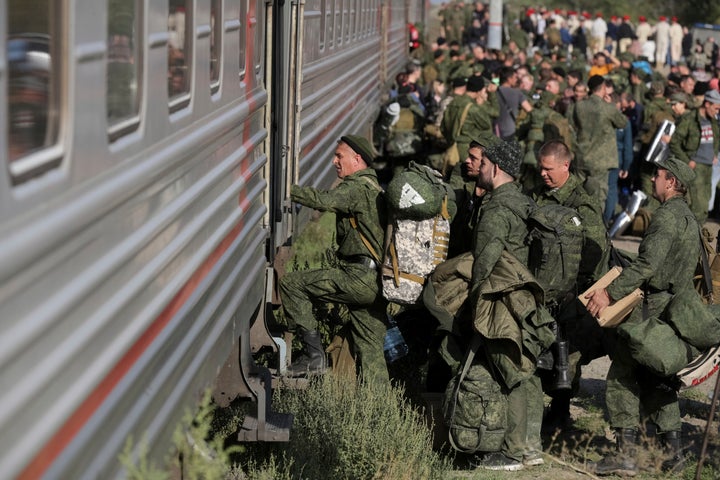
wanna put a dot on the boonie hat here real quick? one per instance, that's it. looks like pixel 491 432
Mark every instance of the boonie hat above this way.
pixel 361 146
pixel 677 167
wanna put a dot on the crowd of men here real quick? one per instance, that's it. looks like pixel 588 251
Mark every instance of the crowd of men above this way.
pixel 565 113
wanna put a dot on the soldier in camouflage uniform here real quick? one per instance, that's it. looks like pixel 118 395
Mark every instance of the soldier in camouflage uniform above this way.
pixel 665 265
pixel 586 338
pixel 355 282
pixel 696 141
pixel 501 226
pixel 595 121
pixel 483 103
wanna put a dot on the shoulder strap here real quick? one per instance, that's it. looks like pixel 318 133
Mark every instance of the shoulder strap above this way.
pixel 707 286
pixel 469 357
pixel 354 223
pixel 507 105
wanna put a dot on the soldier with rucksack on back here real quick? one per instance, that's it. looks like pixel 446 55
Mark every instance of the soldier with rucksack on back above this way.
pixel 579 336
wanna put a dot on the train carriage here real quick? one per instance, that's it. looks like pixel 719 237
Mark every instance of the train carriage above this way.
pixel 148 149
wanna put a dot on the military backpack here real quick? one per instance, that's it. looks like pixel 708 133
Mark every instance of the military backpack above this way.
pixel 420 209
pixel 475 407
pixel 555 238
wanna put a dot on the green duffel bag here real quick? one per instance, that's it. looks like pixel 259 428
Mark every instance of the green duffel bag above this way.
pixel 655 344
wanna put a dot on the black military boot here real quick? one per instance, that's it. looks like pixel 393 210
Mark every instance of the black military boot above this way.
pixel 312 359
pixel 623 462
pixel 671 444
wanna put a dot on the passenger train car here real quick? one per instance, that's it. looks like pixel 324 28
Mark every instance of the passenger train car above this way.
pixel 148 150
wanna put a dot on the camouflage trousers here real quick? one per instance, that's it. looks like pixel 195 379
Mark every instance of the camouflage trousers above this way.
pixel 353 285
pixel 525 412
pixel 700 192
pixel 630 385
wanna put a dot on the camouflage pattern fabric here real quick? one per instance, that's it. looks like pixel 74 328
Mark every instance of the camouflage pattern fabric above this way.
pixel 683 144
pixel 475 411
pixel 595 122
pixel 596 246
pixel 417 247
pixel 665 264
pixel 357 196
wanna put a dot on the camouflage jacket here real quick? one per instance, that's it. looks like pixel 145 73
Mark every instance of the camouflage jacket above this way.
pixel 596 251
pixel 501 225
pixel 479 119
pixel 595 121
pixel 654 105
pixel 686 139
pixel 668 253
pixel 359 196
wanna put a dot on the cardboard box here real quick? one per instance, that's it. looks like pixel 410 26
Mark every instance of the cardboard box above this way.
pixel 617 311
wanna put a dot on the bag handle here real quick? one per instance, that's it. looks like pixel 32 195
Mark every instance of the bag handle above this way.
pixel 469 357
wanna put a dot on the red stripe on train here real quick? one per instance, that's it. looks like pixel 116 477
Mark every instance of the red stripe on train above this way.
pixel 74 424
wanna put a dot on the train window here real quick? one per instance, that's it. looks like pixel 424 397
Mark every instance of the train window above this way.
pixel 33 46
pixel 123 68
pixel 243 37
pixel 215 46
pixel 179 53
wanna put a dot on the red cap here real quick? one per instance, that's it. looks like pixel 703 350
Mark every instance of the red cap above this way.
pixel 571 12
pixel 663 18
pixel 530 11
pixel 598 14
pixel 613 18
pixel 557 10
pixel 626 17
pixel 586 14
pixel 674 19
pixel 642 18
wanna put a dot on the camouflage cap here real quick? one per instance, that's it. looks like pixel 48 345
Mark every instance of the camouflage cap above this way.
pixel 677 167
pixel 678 97
pixel 361 146
pixel 506 155
pixel 640 73
pixel 484 139
pixel 626 57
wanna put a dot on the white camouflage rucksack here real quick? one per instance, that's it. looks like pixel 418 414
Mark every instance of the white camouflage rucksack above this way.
pixel 420 209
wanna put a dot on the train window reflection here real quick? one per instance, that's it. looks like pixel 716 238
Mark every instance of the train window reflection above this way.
pixel 215 36
pixel 179 28
pixel 123 68
pixel 32 82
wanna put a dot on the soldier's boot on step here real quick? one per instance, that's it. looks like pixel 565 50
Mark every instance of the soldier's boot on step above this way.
pixel 623 462
pixel 675 461
pixel 312 359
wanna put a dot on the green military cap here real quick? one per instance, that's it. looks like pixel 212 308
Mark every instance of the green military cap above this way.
pixel 484 139
pixel 640 73
pixel 678 97
pixel 677 167
pixel 361 146
pixel 626 57
pixel 506 155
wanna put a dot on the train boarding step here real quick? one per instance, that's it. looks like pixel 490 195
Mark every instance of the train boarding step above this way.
pixel 276 428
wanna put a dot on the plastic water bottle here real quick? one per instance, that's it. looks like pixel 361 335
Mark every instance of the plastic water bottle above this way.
pixel 395 346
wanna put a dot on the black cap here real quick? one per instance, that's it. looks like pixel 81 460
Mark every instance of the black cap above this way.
pixel 475 83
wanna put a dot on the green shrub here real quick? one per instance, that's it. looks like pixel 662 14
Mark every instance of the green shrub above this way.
pixel 345 430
